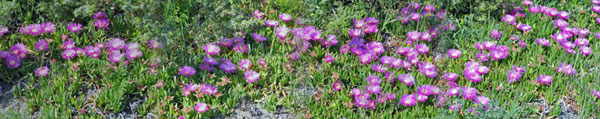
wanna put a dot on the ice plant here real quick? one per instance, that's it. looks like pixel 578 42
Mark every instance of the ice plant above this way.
pixel 115 57
pixel 408 100
pixel 41 45
pixel 450 76
pixel 42 71
pixel 240 48
pixel 337 86
pixel 12 61
pixel 187 71
pixel 99 15
pixel 132 54
pixel 245 64
pixel 201 107
pixel 2 31
pixel 544 79
pixel 74 27
pixel 227 66
pixel 282 32
pixel 68 54
pixel 211 49
pixel 116 44
pixel 259 38
pixel 210 61
pixel 48 27
pixel 92 51
pixel 328 58
pixel 542 42
pixel 101 23
pixel 566 69
pixel 154 44
pixel 454 53
pixel 421 48
pixel 469 93
pixel 271 23
pixel 407 79
pixel 285 17
pixel 208 89
pixel 258 14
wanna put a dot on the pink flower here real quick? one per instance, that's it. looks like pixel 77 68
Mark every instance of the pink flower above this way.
pixel 187 71
pixel 469 93
pixel 3 30
pixel 407 79
pixel 41 45
pixel 542 42
pixel 450 76
pixel 211 49
pixel 101 23
pixel 42 71
pixel 408 100
pixel 251 76
pixel 245 64
pixel 421 48
pixel 201 107
pixel 271 23
pixel 585 50
pixel 227 66
pixel 68 54
pixel 454 53
pixel 258 14
pixel 285 17
pixel 12 61
pixel 282 32
pixel 48 27
pixel 544 79
pixel 74 27
pixel 337 86
pixel 99 15
pixel 328 58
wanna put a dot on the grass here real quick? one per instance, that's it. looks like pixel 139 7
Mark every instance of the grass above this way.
pixel 302 87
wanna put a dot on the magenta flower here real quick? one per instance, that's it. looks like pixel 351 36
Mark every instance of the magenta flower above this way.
pixel 41 45
pixel 211 49
pixel 373 89
pixel 208 89
pixel 563 15
pixel 429 8
pixel 413 35
pixel 328 58
pixel 595 2
pixel 154 44
pixel 74 27
pixel 376 47
pixel 12 61
pixel 132 54
pixel 48 27
pixel 285 17
pixel 534 9
pixel 454 53
pixel 414 16
pixel 469 93
pixel 240 48
pixel 428 90
pixel 258 38
pixel 19 50
pixel 559 23
pixel 421 48
pixel 566 69
pixel 3 30
pixel 115 44
pixel 131 46
pixel 585 51
pixel 407 79
pixel 42 71
pixel 271 23
pixel 92 51
pixel 210 61
pixel 509 19
pixel 596 93
pixel 115 57
pixel 282 32
pixel 261 62
pixel 523 27
pixel 101 23
pixel 450 76
pixel 421 98
pixel 582 42
pixel 542 42
pixel 544 79
pixel 453 91
pixel 482 100
pixel 225 42
pixel 68 54
pixel 365 58
pixel 227 66
pixel 408 100
pixel 425 36
pixel 359 23
pixel 482 70
pixel 68 45
pixel 596 8
pixel 251 76
pixel 201 107
pixel 371 28
pixel 189 88
pixel 513 76
pixel 354 33
pixel 35 29
pixel 373 80
pixel 4 54
pixel 187 71
pixel 99 15
pixel 337 86
pixel 245 64
pixel 258 14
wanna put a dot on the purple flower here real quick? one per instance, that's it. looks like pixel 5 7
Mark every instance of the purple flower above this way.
pixel 42 71
pixel 482 100
pixel 259 38
pixel 371 28
pixel 469 93
pixel 453 91
pixel 596 93
pixel 595 2
pixel 115 44
pixel 261 62
pixel 544 79
pixel 35 29
pixel 414 16
pixel 513 76
pixel 407 79
pixel 211 49
pixel 74 27
pixel 421 98
pixel 258 14
pixel 48 27
pixel 371 21
pixel 596 8
pixel 240 48
pixel 559 23
pixel 450 76
pixel 358 23
pixel 251 76
pixel 208 89
pixel 131 46
pixel 336 86
pixel 210 61
pixel 408 100
pixel 92 51
pixel 429 8
pixel 581 42
pixel 328 58
pixel 285 17
pixel 413 35
pixel 12 61
pixel 201 107
pixel 584 50
pixel 421 48
pixel 132 54
pixel 482 70
pixel 373 89
pixel 454 53
pixel 227 66
pixel 425 36
pixel 68 45
pixel 271 23
pixel 542 42
pixel 41 45
pixel 509 19
pixel 68 54
pixel 225 42
pixel 99 15
pixel 2 31
pixel 282 32
pixel 428 90
pixel 356 92
pixel 373 80
pixel 115 57
pixel 245 64
pixel 101 23
pixel 563 15
pixel 365 58
pixel 187 71
pixel 354 33
pixel 523 27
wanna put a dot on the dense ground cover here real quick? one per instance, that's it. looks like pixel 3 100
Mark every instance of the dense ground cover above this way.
pixel 299 59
